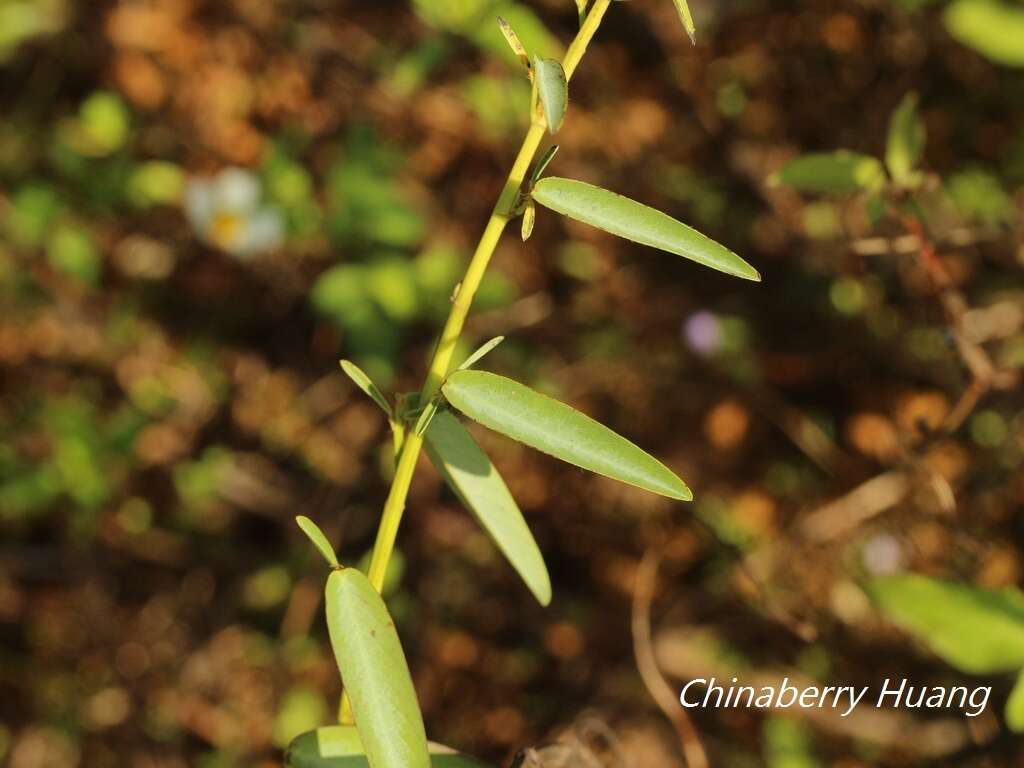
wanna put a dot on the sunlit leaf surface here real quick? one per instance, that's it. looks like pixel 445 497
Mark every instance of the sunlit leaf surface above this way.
pixel 374 671
pixel 543 423
pixel 474 479
pixel 637 222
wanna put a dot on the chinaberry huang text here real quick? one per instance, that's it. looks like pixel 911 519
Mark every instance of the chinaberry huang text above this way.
pixel 710 693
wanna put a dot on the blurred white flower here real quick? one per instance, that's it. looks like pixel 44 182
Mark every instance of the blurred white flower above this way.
pixel 882 554
pixel 227 212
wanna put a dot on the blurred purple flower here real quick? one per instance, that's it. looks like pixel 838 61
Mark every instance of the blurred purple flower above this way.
pixel 702 332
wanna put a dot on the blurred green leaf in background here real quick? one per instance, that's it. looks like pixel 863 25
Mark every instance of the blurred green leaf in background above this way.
pixel 23 20
pixel 994 28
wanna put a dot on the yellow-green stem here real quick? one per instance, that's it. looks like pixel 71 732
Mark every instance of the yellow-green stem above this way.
pixel 503 212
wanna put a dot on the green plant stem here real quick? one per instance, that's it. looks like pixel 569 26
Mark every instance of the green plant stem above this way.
pixel 502 213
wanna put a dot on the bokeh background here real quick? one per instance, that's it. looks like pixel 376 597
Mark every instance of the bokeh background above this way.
pixel 204 205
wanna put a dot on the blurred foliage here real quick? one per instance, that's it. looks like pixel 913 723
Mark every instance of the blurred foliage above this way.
pixel 23 20
pixel 788 744
pixel 474 20
pixel 994 28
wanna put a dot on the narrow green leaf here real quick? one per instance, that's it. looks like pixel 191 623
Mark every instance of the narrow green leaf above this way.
pixel 429 411
pixel 581 10
pixel 836 173
pixel 540 422
pixel 374 671
pixel 993 28
pixel 474 479
pixel 637 222
pixel 1015 705
pixel 529 219
pixel 553 89
pixel 339 746
pixel 976 630
pixel 363 381
pixel 542 165
pixel 686 17
pixel 482 350
pixel 513 42
pixel 312 530
pixel 906 141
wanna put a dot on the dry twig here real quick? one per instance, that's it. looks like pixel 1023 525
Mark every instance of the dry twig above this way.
pixel 654 681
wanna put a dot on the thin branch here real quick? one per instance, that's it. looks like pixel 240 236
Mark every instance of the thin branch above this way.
pixel 984 372
pixel 654 681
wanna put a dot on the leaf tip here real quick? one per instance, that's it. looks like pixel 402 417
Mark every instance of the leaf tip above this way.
pixel 318 539
pixel 743 270
pixel 740 269
pixel 672 486
pixel 543 595
pixel 539 584
pixel 683 494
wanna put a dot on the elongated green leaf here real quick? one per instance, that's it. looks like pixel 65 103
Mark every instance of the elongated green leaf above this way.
pixel 374 671
pixel 429 411
pixel 339 746
pixel 581 9
pixel 834 173
pixel 553 90
pixel 993 28
pixel 473 478
pixel 637 222
pixel 906 141
pixel 1015 706
pixel 542 165
pixel 686 17
pixel 312 530
pixel 976 630
pixel 484 349
pixel 363 381
pixel 540 422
